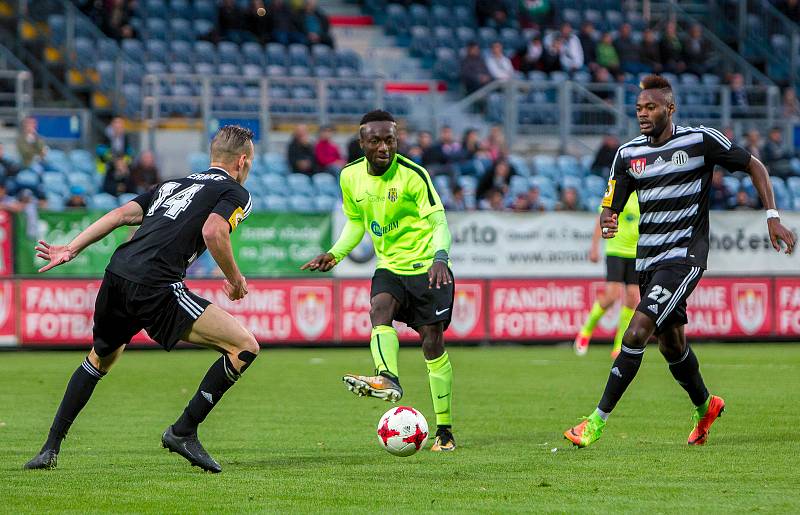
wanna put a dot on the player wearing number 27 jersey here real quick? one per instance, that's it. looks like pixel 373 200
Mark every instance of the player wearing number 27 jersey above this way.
pixel 143 289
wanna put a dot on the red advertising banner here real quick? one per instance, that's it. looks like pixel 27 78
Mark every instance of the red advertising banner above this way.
pixel 57 311
pixel 468 322
pixel 787 300
pixel 8 313
pixel 730 308
pixel 6 243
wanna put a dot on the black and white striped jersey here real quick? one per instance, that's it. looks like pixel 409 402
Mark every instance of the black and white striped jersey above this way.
pixel 171 235
pixel 673 182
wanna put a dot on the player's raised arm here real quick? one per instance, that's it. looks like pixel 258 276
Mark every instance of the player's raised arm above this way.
pixel 129 214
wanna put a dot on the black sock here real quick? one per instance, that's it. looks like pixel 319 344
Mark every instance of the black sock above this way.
pixel 79 389
pixel 622 373
pixel 220 376
pixel 686 372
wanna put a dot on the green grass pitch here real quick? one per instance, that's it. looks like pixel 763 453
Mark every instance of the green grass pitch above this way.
pixel 290 438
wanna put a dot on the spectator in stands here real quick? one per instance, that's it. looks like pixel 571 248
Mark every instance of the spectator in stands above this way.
pixel 672 49
pixel 604 157
pixel 729 133
pixel 790 9
pixel 499 66
pixel 570 53
pixel 607 56
pixel 118 144
pixel 470 144
pixel 534 56
pixel 474 72
pixel 494 201
pixel 283 24
pixel 739 99
pixel 776 155
pixel 144 174
pixel 423 148
pixel 520 204
pixel 753 144
pixel 456 202
pixel 445 154
pixel 230 19
pixel 535 200
pixel 603 76
pixel 117 177
pixel 491 13
pixel 314 24
pixel 535 13
pixel 300 154
pixel 588 44
pixel 791 106
pixel 326 154
pixel 30 202
pixel 498 178
pixel 354 149
pixel 116 20
pixel 720 196
pixel 628 50
pixel 7 202
pixel 551 60
pixel 30 146
pixel 77 198
pixel 744 202
pixel 403 144
pixel 8 168
pixel 258 22
pixel 495 144
pixel 650 52
pixel 569 200
pixel 697 50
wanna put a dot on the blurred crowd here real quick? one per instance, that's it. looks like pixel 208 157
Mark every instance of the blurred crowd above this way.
pixel 278 21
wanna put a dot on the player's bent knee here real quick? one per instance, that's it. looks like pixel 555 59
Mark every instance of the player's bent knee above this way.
pixel 635 337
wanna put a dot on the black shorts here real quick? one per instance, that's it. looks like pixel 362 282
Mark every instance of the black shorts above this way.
pixel 123 308
pixel 664 290
pixel 621 270
pixel 419 304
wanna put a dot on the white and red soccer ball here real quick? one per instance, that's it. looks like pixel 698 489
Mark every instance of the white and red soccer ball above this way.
pixel 402 431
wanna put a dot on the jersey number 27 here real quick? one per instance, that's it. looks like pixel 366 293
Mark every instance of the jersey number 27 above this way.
pixel 175 203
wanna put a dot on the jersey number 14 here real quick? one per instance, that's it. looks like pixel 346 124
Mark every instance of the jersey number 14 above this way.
pixel 175 203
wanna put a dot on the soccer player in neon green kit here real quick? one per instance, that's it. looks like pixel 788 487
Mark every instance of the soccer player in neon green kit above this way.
pixel 390 196
pixel 622 280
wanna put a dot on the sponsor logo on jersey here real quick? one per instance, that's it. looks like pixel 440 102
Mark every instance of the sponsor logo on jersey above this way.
pixel 379 230
pixel 680 158
pixel 206 177
pixel 392 196
pixel 638 166
pixel 466 307
pixel 236 218
pixel 750 302
pixel 659 161
pixel 311 309
pixel 609 196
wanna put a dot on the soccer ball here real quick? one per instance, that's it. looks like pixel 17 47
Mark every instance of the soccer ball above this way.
pixel 402 431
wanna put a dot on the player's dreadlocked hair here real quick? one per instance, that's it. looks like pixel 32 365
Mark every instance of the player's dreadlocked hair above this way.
pixel 658 82
pixel 378 115
pixel 230 142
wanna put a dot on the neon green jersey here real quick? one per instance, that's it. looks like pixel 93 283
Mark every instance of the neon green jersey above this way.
pixel 393 208
pixel 624 243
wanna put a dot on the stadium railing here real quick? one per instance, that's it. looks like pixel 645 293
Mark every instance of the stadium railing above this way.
pixel 16 94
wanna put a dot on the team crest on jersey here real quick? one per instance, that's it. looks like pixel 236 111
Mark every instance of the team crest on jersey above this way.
pixel 680 158
pixel 638 166
pixel 311 310
pixel 236 218
pixel 750 306
pixel 466 308
pixel 392 195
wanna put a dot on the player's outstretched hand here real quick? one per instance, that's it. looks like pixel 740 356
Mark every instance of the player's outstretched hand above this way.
pixel 608 223
pixel 55 254
pixel 779 233
pixel 236 290
pixel 321 263
pixel 438 275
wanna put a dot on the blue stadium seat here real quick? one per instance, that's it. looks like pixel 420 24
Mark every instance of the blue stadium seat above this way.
pixel 107 49
pixel 277 54
pixel 443 37
pixel 518 185
pixel 227 69
pixel 519 164
pixel 300 184
pixel 85 51
pixel 793 184
pixel 421 41
pixel 486 36
pixel 418 15
pixel 204 68
pixel 594 185
pixel 205 10
pixel 198 161
pixel 27 179
pixel 447 64
pixel 58 28
pixel 202 27
pixel 180 9
pixel 252 70
pixel 155 67
pixel 570 181
pixel 323 72
pixel 103 202
pixel 228 52
pixel 276 163
pixel 325 203
pixel 55 182
pixel 545 185
pixel 180 68
pixel 348 58
pixel 299 55
pixel 274 70
pixel 273 182
pixel 134 49
pixel 732 183
pixel 181 29
pixel 276 203
pixel 82 180
pixel 156 28
pixel 300 71
pixel 463 15
pixel 253 53
pixel 55 201
pixel 569 165
pixel 545 164
pixel 302 204
pixel 325 183
pixel 154 8
pixel 156 50
pixel 82 160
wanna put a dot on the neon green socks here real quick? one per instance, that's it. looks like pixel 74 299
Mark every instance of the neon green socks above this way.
pixel 385 347
pixel 625 315
pixel 440 376
pixel 594 317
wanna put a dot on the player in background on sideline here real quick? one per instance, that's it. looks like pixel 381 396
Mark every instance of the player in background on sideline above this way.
pixel 670 168
pixel 143 289
pixel 622 280
pixel 393 198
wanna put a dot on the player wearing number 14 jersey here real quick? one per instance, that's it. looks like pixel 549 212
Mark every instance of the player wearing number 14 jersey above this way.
pixel 143 289
pixel 670 169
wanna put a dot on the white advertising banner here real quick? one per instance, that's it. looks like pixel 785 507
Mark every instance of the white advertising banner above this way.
pixel 492 244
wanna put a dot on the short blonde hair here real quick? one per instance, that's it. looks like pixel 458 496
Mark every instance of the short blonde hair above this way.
pixel 230 142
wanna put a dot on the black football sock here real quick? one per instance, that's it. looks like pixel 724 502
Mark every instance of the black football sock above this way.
pixel 219 378
pixel 79 389
pixel 622 373
pixel 686 372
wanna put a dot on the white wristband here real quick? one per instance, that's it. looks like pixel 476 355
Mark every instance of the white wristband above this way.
pixel 772 213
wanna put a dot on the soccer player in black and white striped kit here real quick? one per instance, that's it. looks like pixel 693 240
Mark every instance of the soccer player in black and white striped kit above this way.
pixel 670 168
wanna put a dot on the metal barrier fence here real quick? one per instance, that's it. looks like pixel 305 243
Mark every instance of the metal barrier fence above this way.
pixel 16 94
